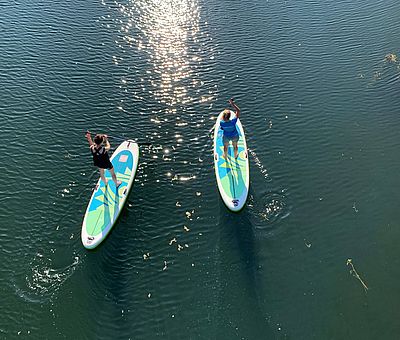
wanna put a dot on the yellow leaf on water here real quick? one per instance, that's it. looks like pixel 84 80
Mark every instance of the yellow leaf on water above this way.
pixel 391 58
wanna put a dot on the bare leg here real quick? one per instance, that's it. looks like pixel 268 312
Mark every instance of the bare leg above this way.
pixel 103 178
pixel 235 147
pixel 226 150
pixel 114 177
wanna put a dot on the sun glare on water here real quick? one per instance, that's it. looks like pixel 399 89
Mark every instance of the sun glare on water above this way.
pixel 164 31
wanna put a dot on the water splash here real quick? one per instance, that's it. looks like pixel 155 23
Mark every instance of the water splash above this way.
pixel 44 279
pixel 268 210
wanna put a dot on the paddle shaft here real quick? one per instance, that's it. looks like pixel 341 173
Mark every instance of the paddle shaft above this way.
pixel 122 138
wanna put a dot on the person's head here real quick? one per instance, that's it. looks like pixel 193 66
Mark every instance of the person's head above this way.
pixel 98 139
pixel 226 115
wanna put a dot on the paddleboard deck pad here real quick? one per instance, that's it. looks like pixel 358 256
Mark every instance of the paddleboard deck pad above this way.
pixel 107 202
pixel 232 174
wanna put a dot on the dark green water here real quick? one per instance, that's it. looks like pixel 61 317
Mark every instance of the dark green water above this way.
pixel 321 114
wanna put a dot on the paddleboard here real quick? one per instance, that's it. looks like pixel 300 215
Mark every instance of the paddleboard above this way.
pixel 232 174
pixel 106 202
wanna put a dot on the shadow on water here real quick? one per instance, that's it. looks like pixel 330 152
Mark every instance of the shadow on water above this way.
pixel 242 309
pixel 110 276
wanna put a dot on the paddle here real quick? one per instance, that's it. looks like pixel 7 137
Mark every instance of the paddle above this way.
pixel 230 103
pixel 122 138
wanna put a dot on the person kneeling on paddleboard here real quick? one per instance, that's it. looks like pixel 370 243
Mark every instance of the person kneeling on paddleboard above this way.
pixel 229 127
pixel 101 159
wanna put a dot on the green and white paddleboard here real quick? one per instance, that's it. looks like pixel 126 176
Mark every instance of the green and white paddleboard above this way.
pixel 106 202
pixel 232 174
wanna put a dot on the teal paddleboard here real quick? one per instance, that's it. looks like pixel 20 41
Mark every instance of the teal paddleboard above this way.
pixel 107 202
pixel 232 174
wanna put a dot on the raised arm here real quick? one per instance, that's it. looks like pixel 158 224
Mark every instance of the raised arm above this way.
pixel 89 138
pixel 237 110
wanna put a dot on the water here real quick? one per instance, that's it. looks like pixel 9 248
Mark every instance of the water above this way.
pixel 320 111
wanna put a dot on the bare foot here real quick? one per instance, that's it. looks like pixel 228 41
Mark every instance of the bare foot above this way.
pixel 118 184
pixel 105 182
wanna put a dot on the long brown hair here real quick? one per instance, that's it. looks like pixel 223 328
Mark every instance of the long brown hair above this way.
pixel 98 139
pixel 226 115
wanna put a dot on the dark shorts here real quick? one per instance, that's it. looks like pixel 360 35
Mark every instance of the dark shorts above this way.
pixel 104 164
pixel 226 139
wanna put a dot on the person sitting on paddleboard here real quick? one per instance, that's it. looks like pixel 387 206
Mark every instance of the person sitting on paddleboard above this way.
pixel 229 128
pixel 101 159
